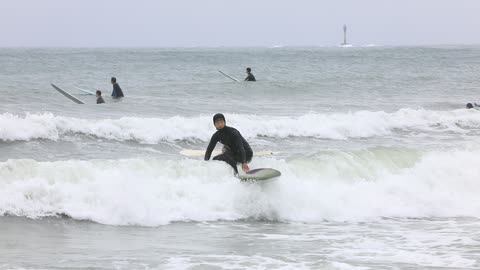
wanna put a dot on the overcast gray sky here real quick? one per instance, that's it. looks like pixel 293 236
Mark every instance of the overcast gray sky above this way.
pixel 162 23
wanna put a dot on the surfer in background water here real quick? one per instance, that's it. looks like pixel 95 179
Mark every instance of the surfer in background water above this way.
pixel 117 91
pixel 472 106
pixel 250 77
pixel 235 148
pixel 98 94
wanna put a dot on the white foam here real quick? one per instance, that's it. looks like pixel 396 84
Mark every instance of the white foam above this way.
pixel 339 126
pixel 154 192
pixel 231 261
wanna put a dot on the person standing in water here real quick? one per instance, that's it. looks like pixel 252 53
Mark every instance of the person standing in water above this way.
pixel 235 148
pixel 250 77
pixel 117 91
pixel 98 94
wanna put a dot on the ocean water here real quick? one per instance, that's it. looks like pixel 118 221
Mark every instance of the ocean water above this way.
pixel 379 159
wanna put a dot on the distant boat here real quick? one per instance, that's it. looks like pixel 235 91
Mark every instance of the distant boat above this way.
pixel 345 44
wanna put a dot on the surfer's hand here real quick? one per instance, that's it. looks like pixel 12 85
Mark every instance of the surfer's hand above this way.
pixel 245 167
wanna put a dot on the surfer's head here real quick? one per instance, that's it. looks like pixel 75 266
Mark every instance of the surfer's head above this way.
pixel 98 93
pixel 113 80
pixel 219 121
pixel 249 70
pixel 469 106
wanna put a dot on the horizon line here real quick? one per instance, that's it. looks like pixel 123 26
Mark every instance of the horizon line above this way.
pixel 276 46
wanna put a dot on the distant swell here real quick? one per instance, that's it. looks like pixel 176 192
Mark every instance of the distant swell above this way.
pixel 337 126
pixel 341 186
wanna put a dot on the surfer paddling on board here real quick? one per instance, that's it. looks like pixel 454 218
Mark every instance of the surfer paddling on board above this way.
pixel 117 91
pixel 235 148
pixel 250 77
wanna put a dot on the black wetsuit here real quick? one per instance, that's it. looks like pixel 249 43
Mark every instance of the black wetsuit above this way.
pixel 250 78
pixel 117 91
pixel 236 148
pixel 100 100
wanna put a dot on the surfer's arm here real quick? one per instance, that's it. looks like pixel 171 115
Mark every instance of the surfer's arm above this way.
pixel 211 146
pixel 241 150
pixel 239 147
pixel 115 91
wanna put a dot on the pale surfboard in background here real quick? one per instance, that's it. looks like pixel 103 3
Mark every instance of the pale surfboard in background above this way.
pixel 228 76
pixel 201 153
pixel 68 95
pixel 88 92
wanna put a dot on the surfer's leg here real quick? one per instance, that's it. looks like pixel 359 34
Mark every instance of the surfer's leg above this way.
pixel 228 157
pixel 248 156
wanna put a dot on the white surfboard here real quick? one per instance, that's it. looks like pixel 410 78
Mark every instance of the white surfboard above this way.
pixel 201 153
pixel 259 174
pixel 68 95
pixel 226 75
pixel 86 91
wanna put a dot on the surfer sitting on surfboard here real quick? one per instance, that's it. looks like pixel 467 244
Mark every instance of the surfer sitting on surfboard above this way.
pixel 235 148
pixel 117 91
pixel 250 77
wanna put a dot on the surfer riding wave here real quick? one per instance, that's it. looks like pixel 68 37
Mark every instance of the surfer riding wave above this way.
pixel 235 148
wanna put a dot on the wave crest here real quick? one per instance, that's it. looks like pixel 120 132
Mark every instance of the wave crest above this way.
pixel 332 186
pixel 338 126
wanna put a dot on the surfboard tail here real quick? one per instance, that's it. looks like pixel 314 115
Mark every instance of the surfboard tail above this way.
pixel 260 174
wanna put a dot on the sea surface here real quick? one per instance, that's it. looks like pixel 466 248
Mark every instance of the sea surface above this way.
pixel 380 159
